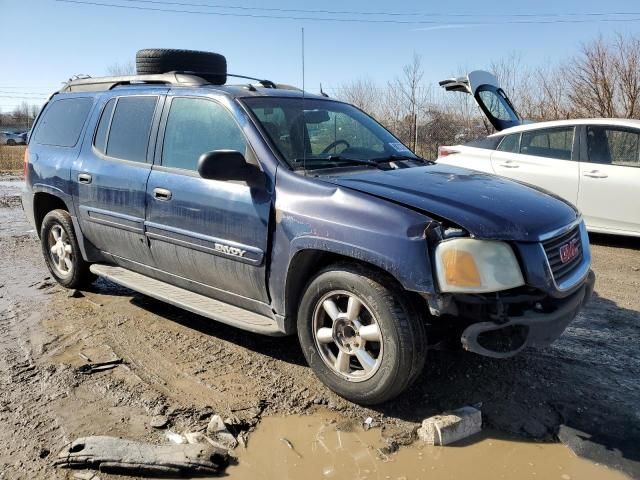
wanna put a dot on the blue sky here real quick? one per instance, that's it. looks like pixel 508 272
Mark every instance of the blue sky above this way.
pixel 46 41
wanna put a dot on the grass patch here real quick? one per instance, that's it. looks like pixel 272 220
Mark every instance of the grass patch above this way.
pixel 12 157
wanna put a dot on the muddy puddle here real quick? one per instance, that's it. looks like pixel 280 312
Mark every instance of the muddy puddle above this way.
pixel 323 447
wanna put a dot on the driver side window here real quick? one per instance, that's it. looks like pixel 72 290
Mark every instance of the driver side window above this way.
pixel 196 126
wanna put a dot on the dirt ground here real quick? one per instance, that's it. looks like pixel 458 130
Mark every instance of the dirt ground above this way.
pixel 584 389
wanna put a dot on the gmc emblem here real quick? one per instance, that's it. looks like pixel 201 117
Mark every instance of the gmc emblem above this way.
pixel 569 251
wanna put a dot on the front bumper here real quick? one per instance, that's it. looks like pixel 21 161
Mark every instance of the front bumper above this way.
pixel 514 333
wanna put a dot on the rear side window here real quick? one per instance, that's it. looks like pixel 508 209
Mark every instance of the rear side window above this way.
pixel 510 143
pixel 100 141
pixel 128 136
pixel 550 143
pixel 196 126
pixel 613 146
pixel 62 122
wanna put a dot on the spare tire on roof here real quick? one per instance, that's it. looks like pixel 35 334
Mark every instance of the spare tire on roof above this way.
pixel 212 66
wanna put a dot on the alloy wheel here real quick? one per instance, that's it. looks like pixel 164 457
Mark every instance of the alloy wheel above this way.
pixel 347 335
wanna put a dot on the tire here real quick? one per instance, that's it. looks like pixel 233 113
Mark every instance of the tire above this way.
pixel 153 61
pixel 11 142
pixel 394 360
pixel 73 270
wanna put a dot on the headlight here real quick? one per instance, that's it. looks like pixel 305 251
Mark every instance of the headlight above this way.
pixel 476 266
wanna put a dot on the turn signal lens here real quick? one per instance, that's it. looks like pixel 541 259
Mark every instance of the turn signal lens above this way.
pixel 476 266
pixel 460 269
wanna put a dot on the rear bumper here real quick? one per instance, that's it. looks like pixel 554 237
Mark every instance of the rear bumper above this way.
pixel 507 338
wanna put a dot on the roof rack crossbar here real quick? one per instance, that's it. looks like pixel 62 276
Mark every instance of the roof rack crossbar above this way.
pixel 264 82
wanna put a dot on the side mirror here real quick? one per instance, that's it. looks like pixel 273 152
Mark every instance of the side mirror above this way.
pixel 226 165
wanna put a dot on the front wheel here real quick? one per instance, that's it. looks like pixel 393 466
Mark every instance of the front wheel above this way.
pixel 360 334
pixel 61 251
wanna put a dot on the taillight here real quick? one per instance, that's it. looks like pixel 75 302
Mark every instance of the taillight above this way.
pixel 446 151
pixel 26 163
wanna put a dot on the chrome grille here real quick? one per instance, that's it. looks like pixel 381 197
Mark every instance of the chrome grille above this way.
pixel 552 247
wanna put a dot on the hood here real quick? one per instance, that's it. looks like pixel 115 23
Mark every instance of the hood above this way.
pixel 487 206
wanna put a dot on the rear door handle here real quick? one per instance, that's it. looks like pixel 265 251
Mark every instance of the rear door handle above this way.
pixel 84 178
pixel 162 194
pixel 595 174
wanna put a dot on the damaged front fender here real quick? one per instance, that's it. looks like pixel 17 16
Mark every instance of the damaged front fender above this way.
pixel 312 215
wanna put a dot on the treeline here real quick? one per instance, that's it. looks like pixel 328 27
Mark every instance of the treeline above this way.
pixel 601 80
pixel 21 117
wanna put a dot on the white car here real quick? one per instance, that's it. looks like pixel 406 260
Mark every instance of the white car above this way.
pixel 592 163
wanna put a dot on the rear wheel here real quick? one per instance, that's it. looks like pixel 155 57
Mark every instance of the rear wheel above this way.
pixel 360 334
pixel 61 251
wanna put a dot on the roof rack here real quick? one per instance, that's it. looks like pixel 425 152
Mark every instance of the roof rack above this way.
pixel 187 79
pixel 107 83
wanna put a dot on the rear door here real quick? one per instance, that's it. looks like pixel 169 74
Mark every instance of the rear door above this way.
pixel 545 157
pixel 609 195
pixel 211 234
pixel 111 176
pixel 491 99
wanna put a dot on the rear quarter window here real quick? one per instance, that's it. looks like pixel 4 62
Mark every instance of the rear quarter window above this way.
pixel 62 122
pixel 510 143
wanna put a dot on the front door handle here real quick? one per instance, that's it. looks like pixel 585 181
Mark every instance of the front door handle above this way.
pixel 162 194
pixel 84 178
pixel 509 164
pixel 595 174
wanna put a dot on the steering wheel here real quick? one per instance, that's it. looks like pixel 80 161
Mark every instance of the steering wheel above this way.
pixel 335 144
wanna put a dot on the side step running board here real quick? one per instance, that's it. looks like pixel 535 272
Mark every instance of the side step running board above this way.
pixel 193 302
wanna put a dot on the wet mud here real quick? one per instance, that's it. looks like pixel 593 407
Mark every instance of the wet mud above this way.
pixel 585 388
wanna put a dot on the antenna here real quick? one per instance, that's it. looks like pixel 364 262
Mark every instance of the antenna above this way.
pixel 322 92
pixel 304 123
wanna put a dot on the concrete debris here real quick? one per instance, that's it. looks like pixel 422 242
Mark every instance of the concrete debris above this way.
pixel 369 422
pixel 219 432
pixel 216 424
pixel 111 454
pixel 159 421
pixel 450 426
pixel 174 437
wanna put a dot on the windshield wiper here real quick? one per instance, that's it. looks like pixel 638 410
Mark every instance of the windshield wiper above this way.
pixel 340 158
pixel 395 157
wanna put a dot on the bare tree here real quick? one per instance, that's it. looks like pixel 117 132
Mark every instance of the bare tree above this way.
pixel 121 69
pixel 626 65
pixel 592 86
pixel 414 95
pixel 363 93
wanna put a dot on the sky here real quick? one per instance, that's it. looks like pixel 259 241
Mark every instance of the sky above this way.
pixel 46 41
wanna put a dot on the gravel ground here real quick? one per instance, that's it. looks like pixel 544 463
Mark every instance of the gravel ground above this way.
pixel 584 388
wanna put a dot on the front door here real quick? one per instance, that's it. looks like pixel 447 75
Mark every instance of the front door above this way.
pixel 111 176
pixel 211 234
pixel 544 158
pixel 610 179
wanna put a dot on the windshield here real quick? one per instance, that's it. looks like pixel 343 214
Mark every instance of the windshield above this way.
pixel 324 133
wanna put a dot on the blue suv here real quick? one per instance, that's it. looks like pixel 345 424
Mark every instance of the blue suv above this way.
pixel 276 211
